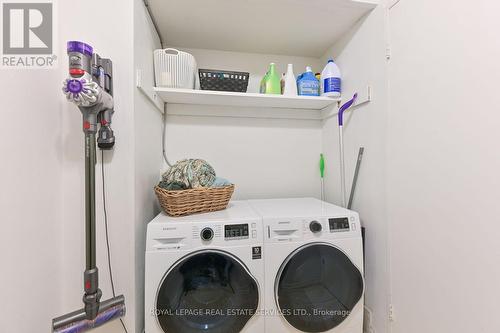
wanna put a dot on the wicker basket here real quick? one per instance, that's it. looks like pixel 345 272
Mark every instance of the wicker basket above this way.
pixel 218 80
pixel 199 200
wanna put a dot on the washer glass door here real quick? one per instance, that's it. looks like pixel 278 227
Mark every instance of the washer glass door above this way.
pixel 207 291
pixel 317 287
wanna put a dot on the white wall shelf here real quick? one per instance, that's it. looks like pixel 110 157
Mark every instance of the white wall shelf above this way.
pixel 252 100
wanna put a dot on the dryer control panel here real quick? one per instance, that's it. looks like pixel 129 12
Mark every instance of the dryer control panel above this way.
pixel 297 219
pixel 298 229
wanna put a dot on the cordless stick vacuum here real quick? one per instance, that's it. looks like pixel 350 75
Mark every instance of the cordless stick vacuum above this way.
pixel 90 87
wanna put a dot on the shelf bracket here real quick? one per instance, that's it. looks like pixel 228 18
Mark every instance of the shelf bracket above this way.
pixel 367 99
pixel 151 96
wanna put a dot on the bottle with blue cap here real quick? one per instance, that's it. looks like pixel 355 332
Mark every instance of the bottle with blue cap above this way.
pixel 307 83
pixel 331 80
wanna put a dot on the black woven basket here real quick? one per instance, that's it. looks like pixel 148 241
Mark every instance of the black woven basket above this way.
pixel 212 79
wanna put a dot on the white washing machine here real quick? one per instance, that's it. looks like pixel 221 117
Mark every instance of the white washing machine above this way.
pixel 314 266
pixel 205 273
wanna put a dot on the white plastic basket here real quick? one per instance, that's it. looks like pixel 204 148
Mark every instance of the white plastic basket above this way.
pixel 174 69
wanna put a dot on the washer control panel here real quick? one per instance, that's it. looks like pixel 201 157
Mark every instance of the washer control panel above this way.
pixel 241 231
pixel 315 226
pixel 207 234
pixel 339 224
pixel 238 225
pixel 236 231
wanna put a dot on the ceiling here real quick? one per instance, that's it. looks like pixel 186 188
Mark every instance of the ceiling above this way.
pixel 288 27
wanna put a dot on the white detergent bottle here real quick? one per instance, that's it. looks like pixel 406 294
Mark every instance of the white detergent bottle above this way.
pixel 290 87
pixel 331 80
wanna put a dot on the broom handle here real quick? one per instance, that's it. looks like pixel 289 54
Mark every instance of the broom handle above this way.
pixel 342 167
pixel 90 225
pixel 342 109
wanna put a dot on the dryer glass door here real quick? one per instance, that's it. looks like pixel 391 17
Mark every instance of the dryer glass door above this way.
pixel 317 287
pixel 208 291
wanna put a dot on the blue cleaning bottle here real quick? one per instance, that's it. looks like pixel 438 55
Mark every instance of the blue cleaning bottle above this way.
pixel 308 84
pixel 331 83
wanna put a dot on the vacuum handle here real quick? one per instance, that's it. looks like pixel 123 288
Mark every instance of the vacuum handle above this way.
pixel 90 224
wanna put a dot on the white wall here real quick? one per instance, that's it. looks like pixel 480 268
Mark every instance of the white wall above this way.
pixel 42 201
pixel 361 58
pixel 108 27
pixel 148 154
pixel 263 157
pixel 42 240
pixel 443 166
pixel 30 200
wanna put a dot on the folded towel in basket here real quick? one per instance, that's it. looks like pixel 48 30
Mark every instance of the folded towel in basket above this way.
pixel 220 182
pixel 189 173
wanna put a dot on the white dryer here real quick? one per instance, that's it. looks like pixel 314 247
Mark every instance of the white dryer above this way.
pixel 314 266
pixel 205 273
